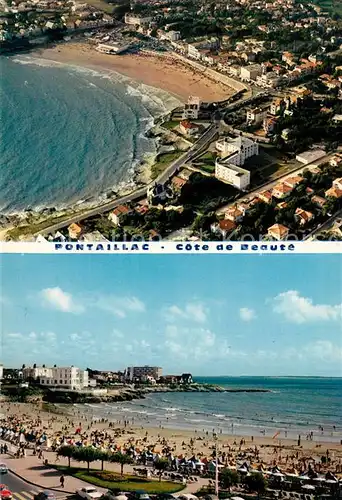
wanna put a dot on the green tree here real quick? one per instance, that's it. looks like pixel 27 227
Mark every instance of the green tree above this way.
pixel 122 459
pixel 66 451
pixel 161 465
pixel 104 456
pixel 256 482
pixel 228 478
pixel 86 454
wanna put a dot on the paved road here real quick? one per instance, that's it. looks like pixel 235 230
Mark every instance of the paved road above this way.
pixel 324 226
pixel 269 185
pixel 20 489
pixel 205 139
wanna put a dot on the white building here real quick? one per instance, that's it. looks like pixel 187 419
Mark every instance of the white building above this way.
pixel 237 176
pixel 171 35
pixel 256 115
pixel 192 108
pixel 143 372
pixel 194 52
pixel 69 378
pixel 310 156
pixel 251 72
pixel 36 372
pixel 238 149
pixel 134 20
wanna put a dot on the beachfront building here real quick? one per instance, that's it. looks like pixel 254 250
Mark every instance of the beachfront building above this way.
pixel 232 174
pixel 35 372
pixel 143 372
pixel 68 378
pixel 112 48
pixel 118 213
pixel 238 149
pixel 192 108
pixel 136 20
pixel 74 231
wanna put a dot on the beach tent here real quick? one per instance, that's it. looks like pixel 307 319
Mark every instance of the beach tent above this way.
pixel 308 487
pixel 236 498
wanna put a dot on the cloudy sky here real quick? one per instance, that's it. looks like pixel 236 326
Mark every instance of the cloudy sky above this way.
pixel 210 315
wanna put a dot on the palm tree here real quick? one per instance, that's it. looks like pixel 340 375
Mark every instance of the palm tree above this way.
pixel 66 451
pixel 161 465
pixel 122 459
pixel 86 454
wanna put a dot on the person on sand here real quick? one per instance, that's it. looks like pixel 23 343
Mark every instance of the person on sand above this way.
pixel 61 480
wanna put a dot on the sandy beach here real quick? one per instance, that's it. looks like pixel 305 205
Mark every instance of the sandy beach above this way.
pixel 262 451
pixel 160 71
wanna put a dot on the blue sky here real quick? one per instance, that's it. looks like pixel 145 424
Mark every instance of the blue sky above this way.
pixel 204 314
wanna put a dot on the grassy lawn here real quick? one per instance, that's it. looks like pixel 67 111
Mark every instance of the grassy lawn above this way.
pixel 208 157
pixel 171 124
pixel 210 169
pixel 163 161
pixel 102 5
pixel 113 480
pixel 36 227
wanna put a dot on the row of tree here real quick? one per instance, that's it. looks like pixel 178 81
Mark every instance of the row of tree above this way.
pixel 89 454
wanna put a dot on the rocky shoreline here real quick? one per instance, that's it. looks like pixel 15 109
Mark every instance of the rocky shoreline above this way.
pixel 113 395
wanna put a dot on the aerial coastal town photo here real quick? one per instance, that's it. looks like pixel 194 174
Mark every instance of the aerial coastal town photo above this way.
pixel 177 120
pixel 113 390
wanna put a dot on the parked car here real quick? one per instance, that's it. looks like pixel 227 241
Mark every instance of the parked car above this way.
pixel 166 496
pixel 3 469
pixel 138 495
pixel 45 495
pixel 89 493
pixel 5 493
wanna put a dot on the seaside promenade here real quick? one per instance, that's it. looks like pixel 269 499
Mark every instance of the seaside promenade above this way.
pixel 33 470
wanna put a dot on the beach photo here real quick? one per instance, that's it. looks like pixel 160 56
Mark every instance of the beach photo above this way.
pixel 170 121
pixel 166 376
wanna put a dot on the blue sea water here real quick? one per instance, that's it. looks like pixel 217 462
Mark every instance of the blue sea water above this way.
pixel 294 405
pixel 70 133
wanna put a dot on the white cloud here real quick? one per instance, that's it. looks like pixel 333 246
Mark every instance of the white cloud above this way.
pixel 191 311
pixel 62 301
pixel 299 309
pixel 120 306
pixel 324 350
pixel 247 314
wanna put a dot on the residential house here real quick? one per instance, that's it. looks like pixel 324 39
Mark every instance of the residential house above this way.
pixel 178 183
pixel 337 183
pixel 319 201
pixel 293 181
pixel 281 190
pixel 281 205
pixel 265 196
pixel 255 116
pixel 276 106
pixel 302 217
pixel 74 231
pixel 192 108
pixel 269 124
pixel 223 227
pixel 188 129
pixel 135 20
pixel 278 232
pixel 234 214
pixel 336 160
pixel 333 193
pixel 118 213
